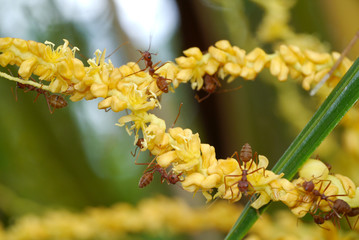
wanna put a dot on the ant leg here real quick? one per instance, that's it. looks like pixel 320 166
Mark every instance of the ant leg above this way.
pixel 346 217
pixel 15 94
pixel 149 164
pixel 179 112
pixel 47 101
pixel 257 162
pixel 237 156
pixel 143 163
pixel 134 154
pixel 37 96
pixel 199 100
pixel 228 90
pixel 117 49
pixel 159 66
pixel 239 161
pixel 250 184
pixel 256 170
pixel 356 221
pixel 230 187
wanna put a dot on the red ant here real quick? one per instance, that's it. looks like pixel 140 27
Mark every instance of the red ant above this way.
pixel 139 144
pixel 246 153
pixel 161 82
pixel 245 156
pixel 342 207
pixel 319 220
pixel 309 187
pixel 140 141
pixel 57 101
pixel 339 207
pixel 210 85
pixel 152 167
pixel 53 100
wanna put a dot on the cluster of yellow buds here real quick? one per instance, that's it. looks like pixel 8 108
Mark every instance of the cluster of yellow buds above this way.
pixel 231 60
pixel 122 220
pixel 129 87
pixel 316 189
pixel 148 217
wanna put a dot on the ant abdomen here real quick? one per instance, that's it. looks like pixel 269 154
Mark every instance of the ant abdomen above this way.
pixel 57 101
pixel 146 179
pixel 246 153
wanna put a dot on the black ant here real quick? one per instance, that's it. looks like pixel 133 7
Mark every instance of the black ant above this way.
pixel 245 156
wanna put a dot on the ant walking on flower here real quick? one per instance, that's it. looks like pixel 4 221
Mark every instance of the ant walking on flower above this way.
pixel 153 167
pixel 210 85
pixel 339 207
pixel 140 144
pixel 52 100
pixel 309 187
pixel 161 82
pixel 243 184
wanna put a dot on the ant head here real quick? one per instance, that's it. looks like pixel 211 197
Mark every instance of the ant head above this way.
pixel 139 143
pixel 318 219
pixel 173 178
pixel 308 186
pixel 147 56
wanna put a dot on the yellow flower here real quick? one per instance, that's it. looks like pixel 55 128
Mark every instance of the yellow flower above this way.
pixel 187 147
pixel 194 66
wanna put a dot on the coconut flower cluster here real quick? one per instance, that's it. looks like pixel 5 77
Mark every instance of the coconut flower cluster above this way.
pixel 195 163
pixel 122 220
pixel 148 217
pixel 316 190
pixel 227 60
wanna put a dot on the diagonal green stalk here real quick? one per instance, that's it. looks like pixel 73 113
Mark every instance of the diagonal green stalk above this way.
pixel 340 100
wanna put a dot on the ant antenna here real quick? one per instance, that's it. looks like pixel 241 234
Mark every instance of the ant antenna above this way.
pixel 149 46
pixel 81 55
pixel 179 112
pixel 336 65
pixel 127 42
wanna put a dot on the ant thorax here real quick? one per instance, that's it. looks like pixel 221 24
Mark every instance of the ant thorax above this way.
pixel 248 178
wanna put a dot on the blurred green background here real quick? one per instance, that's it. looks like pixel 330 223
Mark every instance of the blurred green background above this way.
pixel 77 157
